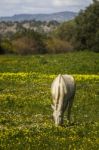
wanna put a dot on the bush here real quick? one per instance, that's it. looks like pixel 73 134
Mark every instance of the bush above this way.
pixel 24 45
pixel 6 46
pixel 28 42
pixel 55 45
pixel 1 50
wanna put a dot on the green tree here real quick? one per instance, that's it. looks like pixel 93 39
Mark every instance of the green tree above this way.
pixel 87 28
pixel 66 30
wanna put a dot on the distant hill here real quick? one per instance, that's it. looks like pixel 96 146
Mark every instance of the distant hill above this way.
pixel 60 17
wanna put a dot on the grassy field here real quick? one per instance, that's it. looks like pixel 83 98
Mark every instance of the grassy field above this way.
pixel 25 102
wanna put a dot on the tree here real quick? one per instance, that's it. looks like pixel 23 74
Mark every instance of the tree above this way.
pixel 87 28
pixel 66 30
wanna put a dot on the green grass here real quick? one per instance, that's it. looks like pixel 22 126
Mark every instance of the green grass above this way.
pixel 25 112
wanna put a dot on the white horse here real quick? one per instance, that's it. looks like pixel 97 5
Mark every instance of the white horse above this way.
pixel 63 91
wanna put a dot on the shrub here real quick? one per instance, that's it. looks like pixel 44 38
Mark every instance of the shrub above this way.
pixel 24 45
pixel 1 50
pixel 6 46
pixel 28 42
pixel 55 45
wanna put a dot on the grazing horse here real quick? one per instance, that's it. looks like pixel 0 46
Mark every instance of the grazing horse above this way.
pixel 63 91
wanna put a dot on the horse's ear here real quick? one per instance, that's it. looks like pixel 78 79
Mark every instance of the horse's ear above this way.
pixel 53 107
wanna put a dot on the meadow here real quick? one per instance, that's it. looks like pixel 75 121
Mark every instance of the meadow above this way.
pixel 25 102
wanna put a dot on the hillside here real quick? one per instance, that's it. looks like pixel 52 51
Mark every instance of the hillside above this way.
pixel 9 28
pixel 60 17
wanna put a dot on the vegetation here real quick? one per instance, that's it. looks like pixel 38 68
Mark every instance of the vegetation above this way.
pixel 66 31
pixel 28 42
pixel 25 102
pixel 87 28
pixel 36 37
pixel 55 45
pixel 83 31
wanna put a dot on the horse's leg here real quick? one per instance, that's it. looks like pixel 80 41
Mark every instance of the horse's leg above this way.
pixel 70 103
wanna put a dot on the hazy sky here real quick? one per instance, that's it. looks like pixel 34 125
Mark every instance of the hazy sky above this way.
pixel 11 7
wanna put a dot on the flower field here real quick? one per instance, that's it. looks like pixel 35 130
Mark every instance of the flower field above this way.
pixel 25 102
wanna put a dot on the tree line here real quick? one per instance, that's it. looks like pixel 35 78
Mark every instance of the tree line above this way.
pixel 81 33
